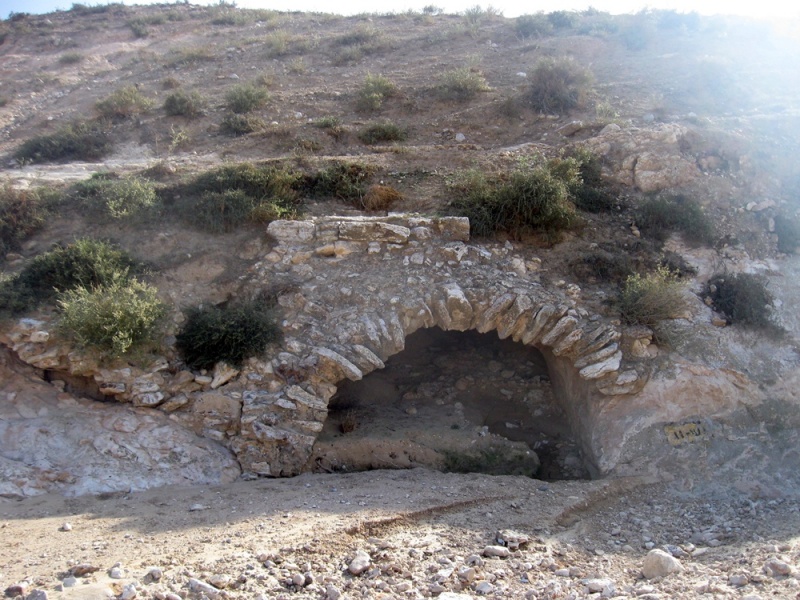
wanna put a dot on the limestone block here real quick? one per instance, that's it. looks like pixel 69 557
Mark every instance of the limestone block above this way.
pixel 453 228
pixel 150 400
pixel 628 382
pixel 291 232
pixel 489 320
pixel 298 394
pixel 597 356
pixel 373 231
pixel 601 369
pixel 538 325
pixel 655 172
pixel 516 318
pixel 560 329
pixel 369 357
pixel 333 365
pixel 214 403
pixel 452 309
pixel 223 373
pixel 568 342
pixel 597 339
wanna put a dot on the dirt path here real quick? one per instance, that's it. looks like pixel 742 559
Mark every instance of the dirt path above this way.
pixel 425 533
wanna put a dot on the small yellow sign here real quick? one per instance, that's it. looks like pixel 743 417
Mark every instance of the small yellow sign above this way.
pixel 685 433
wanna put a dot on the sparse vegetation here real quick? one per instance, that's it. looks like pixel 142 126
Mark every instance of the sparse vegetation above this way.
pixel 185 104
pixel 139 28
pixel 231 334
pixel 660 216
pixel 85 263
pixel 534 197
pixel 652 298
pixel 71 58
pixel 345 181
pixel 189 56
pixel 380 197
pixel 245 98
pixel 106 196
pixel 374 91
pixel 77 141
pixel 234 124
pixel 22 212
pixel 115 318
pixel 743 298
pixel 281 43
pixel 562 19
pixel 461 84
pixel 558 85
pixel 124 103
pixel 537 25
pixel 377 133
pixel 229 197
pixel 331 125
pixel 591 193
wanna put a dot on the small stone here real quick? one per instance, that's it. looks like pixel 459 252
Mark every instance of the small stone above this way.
pixel 499 551
pixel 332 592
pixel 220 581
pixel 467 574
pixel 473 560
pixel 69 581
pixel 605 587
pixel 154 574
pixel 562 573
pixel 83 569
pixel 738 580
pixel 37 595
pixel 360 563
pixel 299 580
pixel 18 589
pixel 202 587
pixel 483 588
pixel 116 573
pixel 777 568
pixel 658 563
pixel 66 527
pixel 129 592
pixel 197 507
pixel 460 137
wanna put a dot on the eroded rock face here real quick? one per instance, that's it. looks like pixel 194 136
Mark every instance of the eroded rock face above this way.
pixel 51 441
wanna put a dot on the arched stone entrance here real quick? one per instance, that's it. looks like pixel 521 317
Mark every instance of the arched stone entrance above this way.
pixel 360 287
pixel 458 401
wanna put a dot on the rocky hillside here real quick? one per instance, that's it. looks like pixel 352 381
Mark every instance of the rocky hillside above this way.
pixel 629 183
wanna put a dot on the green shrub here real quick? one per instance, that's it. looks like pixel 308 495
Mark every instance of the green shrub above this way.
pixel 79 141
pixel 114 318
pixel 375 90
pixel 788 230
pixel 742 298
pixel 186 57
pixel 660 216
pixel 219 212
pixel 108 196
pixel 603 265
pixel 558 85
pixel 360 36
pixel 476 14
pixel 70 58
pixel 124 103
pixel 236 125
pixel 649 299
pixel 345 181
pixel 280 43
pixel 139 28
pixel 184 104
pixel 332 126
pixel 377 133
pixel 531 198
pixel 22 212
pixel 231 334
pixel 225 198
pixel 245 98
pixel 591 194
pixel 85 263
pixel 537 25
pixel 461 84
pixel 562 19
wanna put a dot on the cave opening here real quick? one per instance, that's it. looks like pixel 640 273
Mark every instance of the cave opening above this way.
pixel 454 401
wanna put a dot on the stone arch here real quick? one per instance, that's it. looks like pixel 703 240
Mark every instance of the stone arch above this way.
pixel 583 358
